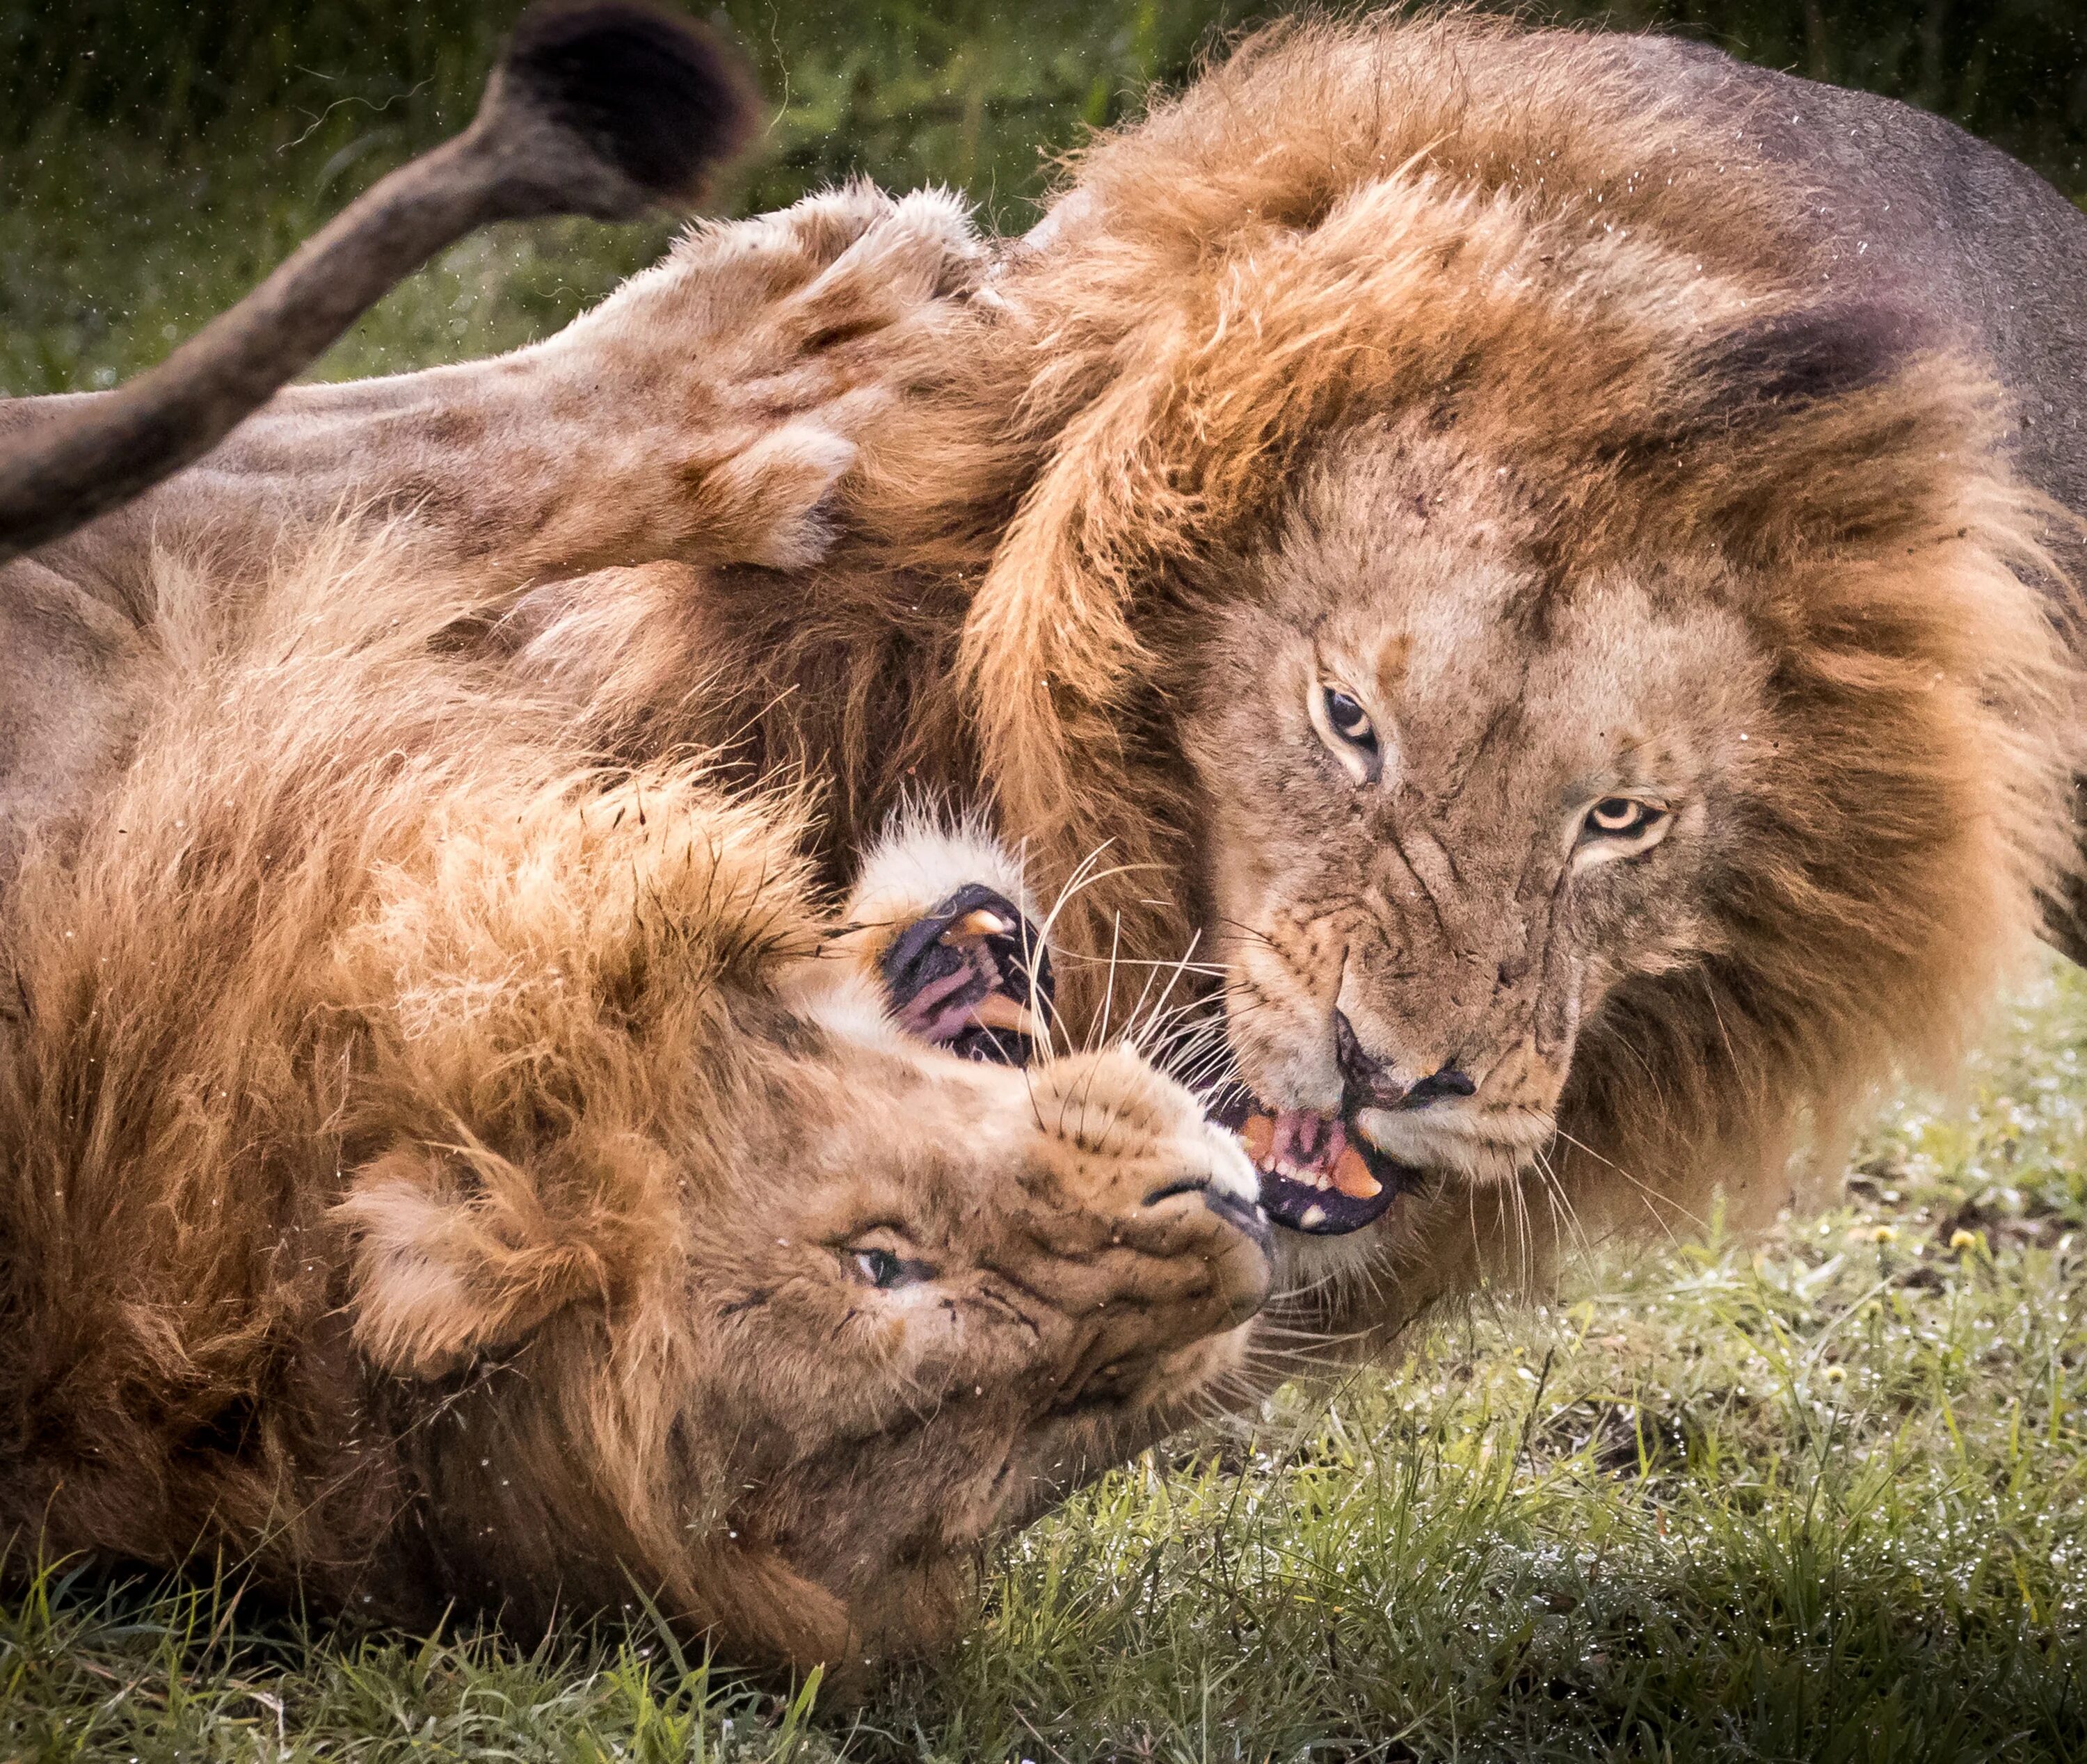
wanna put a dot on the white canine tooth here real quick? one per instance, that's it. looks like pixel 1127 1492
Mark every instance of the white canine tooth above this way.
pixel 1311 1216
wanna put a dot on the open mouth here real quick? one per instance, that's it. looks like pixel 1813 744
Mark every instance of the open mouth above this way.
pixel 1318 1174
pixel 973 975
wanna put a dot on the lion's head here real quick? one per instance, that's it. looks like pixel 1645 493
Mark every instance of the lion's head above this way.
pixel 1488 818
pixel 913 1297
pixel 443 1175
pixel 1446 816
pixel 786 1310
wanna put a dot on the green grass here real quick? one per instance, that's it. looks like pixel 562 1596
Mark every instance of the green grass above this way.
pixel 1822 1496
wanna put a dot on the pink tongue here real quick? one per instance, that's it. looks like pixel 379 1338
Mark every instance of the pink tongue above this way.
pixel 1306 1142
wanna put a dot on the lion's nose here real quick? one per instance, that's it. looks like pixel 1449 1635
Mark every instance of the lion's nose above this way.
pixel 1368 1082
pixel 1448 1082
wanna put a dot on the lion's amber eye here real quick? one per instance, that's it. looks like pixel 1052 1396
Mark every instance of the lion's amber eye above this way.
pixel 1348 719
pixel 1622 817
pixel 883 1270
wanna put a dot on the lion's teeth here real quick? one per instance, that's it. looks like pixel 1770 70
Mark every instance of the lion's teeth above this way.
pixel 1311 1216
pixel 998 1011
pixel 1352 1177
pixel 977 923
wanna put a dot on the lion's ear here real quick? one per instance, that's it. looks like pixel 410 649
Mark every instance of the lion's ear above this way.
pixel 1839 423
pixel 770 503
pixel 1759 371
pixel 457 1253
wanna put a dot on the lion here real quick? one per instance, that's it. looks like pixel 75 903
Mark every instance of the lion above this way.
pixel 1542 569
pixel 440 1173
pixel 1595 690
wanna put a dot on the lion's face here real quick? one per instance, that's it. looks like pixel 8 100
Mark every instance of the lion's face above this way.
pixel 1448 815
pixel 895 1292
pixel 940 1283
pixel 913 1306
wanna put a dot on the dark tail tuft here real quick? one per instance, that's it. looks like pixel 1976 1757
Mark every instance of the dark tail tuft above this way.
pixel 656 94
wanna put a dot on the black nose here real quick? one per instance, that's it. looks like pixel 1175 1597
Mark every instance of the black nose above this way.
pixel 1242 1216
pixel 1367 1081
pixel 1448 1082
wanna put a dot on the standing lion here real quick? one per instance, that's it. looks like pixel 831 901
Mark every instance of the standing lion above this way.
pixel 1542 558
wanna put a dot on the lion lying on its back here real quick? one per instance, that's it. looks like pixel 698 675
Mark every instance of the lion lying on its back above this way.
pixel 432 1173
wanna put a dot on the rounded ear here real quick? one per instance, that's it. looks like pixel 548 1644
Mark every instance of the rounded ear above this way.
pixel 1771 365
pixel 770 503
pixel 457 1253
pixel 1841 424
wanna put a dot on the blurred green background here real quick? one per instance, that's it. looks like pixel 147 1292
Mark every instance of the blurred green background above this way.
pixel 156 157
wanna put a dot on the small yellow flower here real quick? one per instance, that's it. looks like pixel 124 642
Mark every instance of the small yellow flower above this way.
pixel 1961 1239
pixel 1884 1234
pixel 1836 1374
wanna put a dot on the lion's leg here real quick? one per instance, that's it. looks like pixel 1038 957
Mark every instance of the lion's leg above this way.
pixel 702 413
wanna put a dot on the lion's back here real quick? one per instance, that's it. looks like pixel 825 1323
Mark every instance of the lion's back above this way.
pixel 1905 208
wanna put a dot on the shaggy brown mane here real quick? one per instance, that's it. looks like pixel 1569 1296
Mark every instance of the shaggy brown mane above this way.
pixel 1668 390
pixel 437 1171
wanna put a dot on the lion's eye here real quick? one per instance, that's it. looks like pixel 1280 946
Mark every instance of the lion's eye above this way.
pixel 1622 817
pixel 1348 719
pixel 885 1270
pixel 1346 729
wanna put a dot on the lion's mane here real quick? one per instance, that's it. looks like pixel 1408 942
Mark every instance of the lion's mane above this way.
pixel 431 1161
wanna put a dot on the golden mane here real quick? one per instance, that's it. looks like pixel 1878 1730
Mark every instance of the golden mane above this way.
pixel 437 1171
pixel 1291 250
pixel 1348 220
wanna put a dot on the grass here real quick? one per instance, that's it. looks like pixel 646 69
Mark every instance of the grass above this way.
pixel 1819 1496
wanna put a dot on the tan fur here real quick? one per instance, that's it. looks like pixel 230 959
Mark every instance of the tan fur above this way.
pixel 704 415
pixel 430 1169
